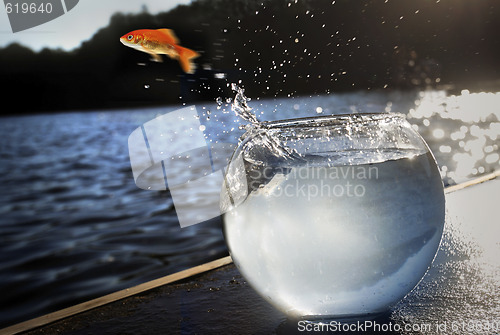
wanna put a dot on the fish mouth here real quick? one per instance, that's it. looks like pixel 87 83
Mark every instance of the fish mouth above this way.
pixel 127 43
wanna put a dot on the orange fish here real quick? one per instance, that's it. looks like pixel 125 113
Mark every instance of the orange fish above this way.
pixel 161 41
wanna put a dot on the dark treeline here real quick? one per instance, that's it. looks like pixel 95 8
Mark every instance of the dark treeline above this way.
pixel 277 48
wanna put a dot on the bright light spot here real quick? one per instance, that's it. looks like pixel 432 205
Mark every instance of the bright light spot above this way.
pixel 319 110
pixel 467 107
pixel 202 128
pixel 475 147
pixel 476 131
pixel 465 164
pixel 426 123
pixel 492 158
pixel 457 136
pixel 494 131
pixel 438 133
pixel 445 148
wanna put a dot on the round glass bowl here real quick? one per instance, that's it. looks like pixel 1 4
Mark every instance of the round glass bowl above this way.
pixel 333 217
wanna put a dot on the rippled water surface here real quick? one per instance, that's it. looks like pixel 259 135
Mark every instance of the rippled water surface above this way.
pixel 74 226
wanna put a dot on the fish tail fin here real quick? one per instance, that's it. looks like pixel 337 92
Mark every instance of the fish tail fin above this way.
pixel 185 59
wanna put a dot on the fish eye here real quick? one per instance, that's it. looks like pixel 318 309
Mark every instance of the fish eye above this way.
pixel 130 37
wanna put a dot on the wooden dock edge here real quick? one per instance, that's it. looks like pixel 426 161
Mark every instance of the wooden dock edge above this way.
pixel 112 297
pixel 472 182
pixel 91 304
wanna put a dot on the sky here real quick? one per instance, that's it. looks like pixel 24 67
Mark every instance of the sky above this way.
pixel 79 24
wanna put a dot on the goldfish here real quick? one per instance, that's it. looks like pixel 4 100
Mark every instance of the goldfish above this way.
pixel 158 42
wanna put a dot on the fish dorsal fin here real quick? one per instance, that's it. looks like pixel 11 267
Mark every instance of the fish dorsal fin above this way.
pixel 170 33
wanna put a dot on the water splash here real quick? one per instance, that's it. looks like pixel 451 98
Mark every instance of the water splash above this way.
pixel 268 139
pixel 240 106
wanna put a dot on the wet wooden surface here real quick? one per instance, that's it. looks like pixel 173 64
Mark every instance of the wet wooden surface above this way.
pixel 459 295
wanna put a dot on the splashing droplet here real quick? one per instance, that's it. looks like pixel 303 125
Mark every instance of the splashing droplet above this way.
pixel 218 100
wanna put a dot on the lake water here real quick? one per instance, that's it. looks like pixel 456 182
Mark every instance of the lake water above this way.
pixel 74 226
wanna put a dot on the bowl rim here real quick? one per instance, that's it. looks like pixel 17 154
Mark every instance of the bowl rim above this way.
pixel 334 119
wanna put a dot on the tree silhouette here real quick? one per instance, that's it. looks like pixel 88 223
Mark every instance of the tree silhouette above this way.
pixel 277 48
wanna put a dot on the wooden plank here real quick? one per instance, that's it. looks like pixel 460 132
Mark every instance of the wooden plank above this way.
pixel 472 182
pixel 85 306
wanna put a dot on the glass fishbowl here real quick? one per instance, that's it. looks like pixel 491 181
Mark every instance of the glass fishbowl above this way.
pixel 333 217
